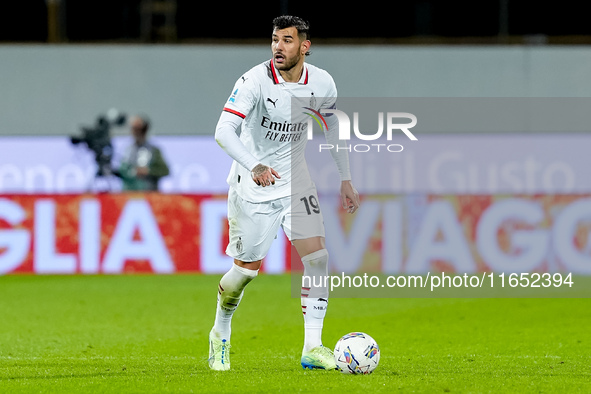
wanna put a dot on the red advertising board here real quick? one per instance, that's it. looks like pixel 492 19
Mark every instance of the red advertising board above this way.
pixel 106 233
pixel 163 233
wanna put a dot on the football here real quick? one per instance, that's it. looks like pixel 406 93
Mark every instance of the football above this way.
pixel 357 353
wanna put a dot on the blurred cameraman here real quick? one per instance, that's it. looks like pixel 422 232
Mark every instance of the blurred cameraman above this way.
pixel 142 165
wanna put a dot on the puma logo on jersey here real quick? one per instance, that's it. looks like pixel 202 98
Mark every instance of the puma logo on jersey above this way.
pixel 272 102
pixel 243 79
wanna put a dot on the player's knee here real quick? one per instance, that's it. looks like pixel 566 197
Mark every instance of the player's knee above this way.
pixel 316 273
pixel 316 261
pixel 236 279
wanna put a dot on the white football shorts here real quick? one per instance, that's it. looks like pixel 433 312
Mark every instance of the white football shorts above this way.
pixel 254 226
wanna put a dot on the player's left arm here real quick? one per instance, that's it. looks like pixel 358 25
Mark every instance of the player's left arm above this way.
pixel 349 195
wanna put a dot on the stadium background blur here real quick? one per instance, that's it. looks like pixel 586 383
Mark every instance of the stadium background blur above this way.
pixel 64 62
pixel 179 70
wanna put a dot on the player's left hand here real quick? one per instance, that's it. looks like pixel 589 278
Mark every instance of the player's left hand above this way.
pixel 349 197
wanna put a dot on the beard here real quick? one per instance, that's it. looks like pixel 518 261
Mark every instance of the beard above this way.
pixel 288 63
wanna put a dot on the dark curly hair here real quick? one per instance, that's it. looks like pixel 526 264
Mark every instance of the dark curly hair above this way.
pixel 302 26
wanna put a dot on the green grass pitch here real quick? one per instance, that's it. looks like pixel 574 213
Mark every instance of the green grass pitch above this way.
pixel 119 334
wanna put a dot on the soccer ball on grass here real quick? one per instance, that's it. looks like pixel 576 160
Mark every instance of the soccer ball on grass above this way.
pixel 357 353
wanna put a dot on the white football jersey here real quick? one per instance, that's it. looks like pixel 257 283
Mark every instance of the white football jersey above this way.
pixel 273 131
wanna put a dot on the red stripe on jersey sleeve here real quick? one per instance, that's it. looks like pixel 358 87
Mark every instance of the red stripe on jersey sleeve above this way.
pixel 234 112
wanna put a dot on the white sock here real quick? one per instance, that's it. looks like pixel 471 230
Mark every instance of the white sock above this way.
pixel 315 310
pixel 230 291
pixel 314 298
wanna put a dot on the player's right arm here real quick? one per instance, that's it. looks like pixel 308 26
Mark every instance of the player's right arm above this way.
pixel 227 139
pixel 238 106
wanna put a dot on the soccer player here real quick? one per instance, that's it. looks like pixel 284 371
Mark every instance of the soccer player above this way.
pixel 270 185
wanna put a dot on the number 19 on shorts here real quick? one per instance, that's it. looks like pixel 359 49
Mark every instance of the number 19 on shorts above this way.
pixel 311 204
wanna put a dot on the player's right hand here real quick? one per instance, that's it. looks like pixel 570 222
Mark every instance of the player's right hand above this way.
pixel 263 175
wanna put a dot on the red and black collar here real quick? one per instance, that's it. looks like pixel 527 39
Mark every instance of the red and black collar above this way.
pixel 278 79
